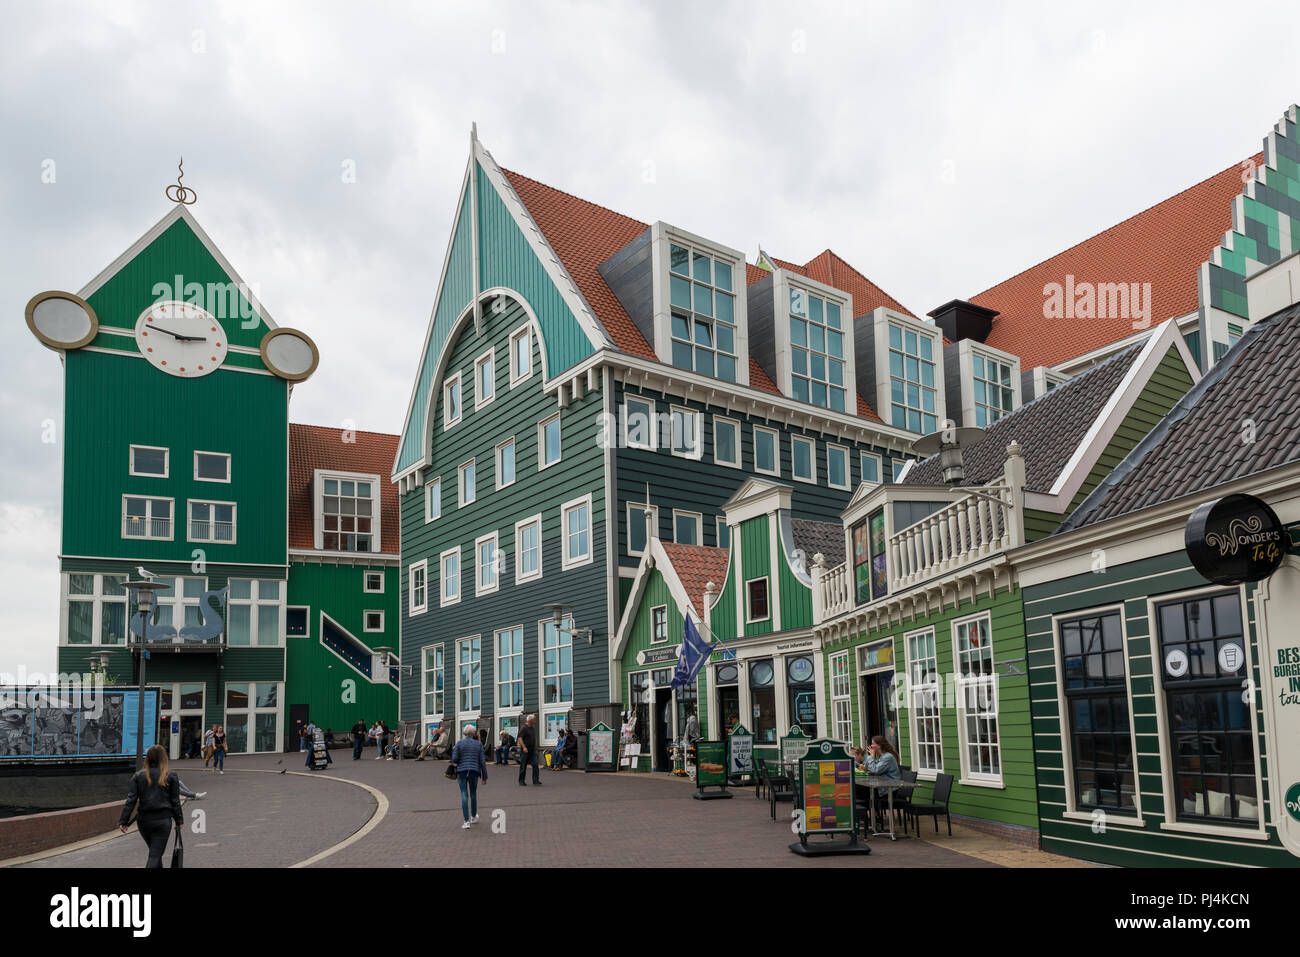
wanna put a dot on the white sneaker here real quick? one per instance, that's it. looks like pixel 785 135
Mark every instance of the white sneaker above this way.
pixel 198 795
pixel 221 772
pixel 380 756
pixel 474 819
pixel 465 826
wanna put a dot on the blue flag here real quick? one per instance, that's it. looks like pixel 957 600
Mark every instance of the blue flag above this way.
pixel 691 658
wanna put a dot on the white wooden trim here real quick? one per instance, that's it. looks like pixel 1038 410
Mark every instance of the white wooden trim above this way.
pixel 412 609
pixel 497 465
pixel 811 479
pixel 130 461
pixel 479 587
pixel 542 464
pixel 520 576
pixel 229 467
pixel 443 600
pixel 735 424
pixel 487 357
pixel 699 525
pixel 565 561
pixel 776 450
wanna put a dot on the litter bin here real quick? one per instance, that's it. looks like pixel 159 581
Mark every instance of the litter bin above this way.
pixel 581 764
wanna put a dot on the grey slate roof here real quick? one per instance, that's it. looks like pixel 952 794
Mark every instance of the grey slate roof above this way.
pixel 1199 444
pixel 824 537
pixel 1048 428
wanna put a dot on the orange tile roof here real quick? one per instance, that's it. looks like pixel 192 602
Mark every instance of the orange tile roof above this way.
pixel 314 447
pixel 696 566
pixel 1163 245
pixel 584 235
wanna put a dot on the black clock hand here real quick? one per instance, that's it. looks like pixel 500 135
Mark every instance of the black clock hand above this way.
pixel 178 337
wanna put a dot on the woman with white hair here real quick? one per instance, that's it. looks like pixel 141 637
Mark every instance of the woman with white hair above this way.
pixel 470 764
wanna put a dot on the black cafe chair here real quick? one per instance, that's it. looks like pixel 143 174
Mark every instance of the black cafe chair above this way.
pixel 938 805
pixel 778 791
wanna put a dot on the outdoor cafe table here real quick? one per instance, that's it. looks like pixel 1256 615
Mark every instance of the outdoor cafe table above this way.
pixel 874 783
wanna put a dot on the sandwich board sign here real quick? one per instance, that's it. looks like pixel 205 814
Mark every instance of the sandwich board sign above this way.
pixel 600 748
pixel 740 752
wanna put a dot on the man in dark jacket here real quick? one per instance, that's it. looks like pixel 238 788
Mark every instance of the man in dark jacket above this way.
pixel 359 731
pixel 503 748
pixel 528 751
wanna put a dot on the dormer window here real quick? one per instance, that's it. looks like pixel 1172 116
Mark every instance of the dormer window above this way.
pixel 990 382
pixel 817 370
pixel 913 376
pixel 703 312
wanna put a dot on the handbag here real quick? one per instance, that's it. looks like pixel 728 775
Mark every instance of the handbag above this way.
pixel 178 852
pixel 450 773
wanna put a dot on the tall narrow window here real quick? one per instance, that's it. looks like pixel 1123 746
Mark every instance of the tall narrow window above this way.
pixel 557 662
pixel 433 690
pixel 837 466
pixel 686 433
pixel 803 459
pixel 870 559
pixel 1096 694
pixel 469 673
pixel 450 568
pixel 548 442
pixel 756 607
pixel 637 531
pixel 913 394
pixel 659 624
pixel 841 697
pixel 816 351
pixel 766 447
pixel 433 500
pixel 726 442
pixel 994 397
pixel 703 303
pixel 528 549
pixel 576 519
pixel 417 595
pixel 510 668
pixel 977 700
pixel 639 424
pixel 521 355
pixel 468 484
pixel 485 382
pixel 485 549
pixel 506 463
pixel 923 691
pixel 1204 662
pixel 451 401
pixel 870 464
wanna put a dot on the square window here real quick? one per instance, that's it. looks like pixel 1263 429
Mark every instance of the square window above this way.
pixel 373 583
pixel 149 461
pixel 296 622
pixel 548 442
pixel 637 532
pixel 870 467
pixel 374 621
pixel 211 467
pixel 687 528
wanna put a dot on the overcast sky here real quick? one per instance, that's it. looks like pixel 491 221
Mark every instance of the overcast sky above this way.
pixel 939 148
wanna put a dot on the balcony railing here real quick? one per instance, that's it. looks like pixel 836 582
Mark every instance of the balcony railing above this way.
pixel 212 531
pixel 836 592
pixel 147 528
pixel 965 531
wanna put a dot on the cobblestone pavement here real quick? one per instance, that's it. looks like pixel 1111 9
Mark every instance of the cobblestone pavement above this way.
pixel 574 819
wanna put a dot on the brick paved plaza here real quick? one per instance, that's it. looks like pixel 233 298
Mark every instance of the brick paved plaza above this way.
pixel 405 814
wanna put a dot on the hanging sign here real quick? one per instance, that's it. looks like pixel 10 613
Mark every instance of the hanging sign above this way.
pixel 1235 539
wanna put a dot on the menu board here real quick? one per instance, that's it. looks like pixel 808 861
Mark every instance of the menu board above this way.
pixel 740 752
pixel 827 795
pixel 711 764
pixel 795 745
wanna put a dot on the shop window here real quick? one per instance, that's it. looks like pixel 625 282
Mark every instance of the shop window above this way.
pixel 1203 662
pixel 727 681
pixel 803 693
pixel 1096 694
pixel 923 693
pixel 870 559
pixel 977 700
pixel 841 697
pixel 762 695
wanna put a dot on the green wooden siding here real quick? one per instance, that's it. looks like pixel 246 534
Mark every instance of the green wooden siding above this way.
pixel 113 402
pixel 176 253
pixel 314 674
pixel 756 562
pixel 1015 801
pixel 457 292
pixel 722 616
pixel 507 260
pixel 1128 588
pixel 514 412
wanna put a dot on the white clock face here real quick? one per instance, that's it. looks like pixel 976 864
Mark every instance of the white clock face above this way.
pixel 181 339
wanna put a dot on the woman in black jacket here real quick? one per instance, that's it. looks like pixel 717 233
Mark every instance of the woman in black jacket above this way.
pixel 158 792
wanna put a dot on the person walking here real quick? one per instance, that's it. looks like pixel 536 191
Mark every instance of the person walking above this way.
pixel 528 751
pixel 207 744
pixel 470 767
pixel 219 749
pixel 358 738
pixel 157 791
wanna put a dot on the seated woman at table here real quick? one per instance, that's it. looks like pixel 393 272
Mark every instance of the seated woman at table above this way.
pixel 883 759
pixel 858 757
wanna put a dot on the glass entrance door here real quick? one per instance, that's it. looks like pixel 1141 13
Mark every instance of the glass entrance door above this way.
pixel 880 707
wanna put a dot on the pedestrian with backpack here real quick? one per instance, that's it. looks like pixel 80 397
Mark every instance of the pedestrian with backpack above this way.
pixel 467 757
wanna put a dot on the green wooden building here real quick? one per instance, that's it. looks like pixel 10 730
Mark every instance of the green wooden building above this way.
pixel 176 458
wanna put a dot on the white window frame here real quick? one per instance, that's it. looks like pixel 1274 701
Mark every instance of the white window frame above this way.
pixel 365 582
pixel 149 519
pixel 97 598
pixel 749 612
pixel 914 689
pixel 307 617
pixel 520 575
pixel 253 710
pixel 651 423
pixel 699 524
pixel 636 513
pixel 565 561
pixel 882 318
pixel 256 604
pixel 848 466
pixel 376 508
pixel 515 465
pixel 447 419
pixel 563 634
pixel 525 332
pixel 432 498
pixel 783 286
pixel 443 578
pixel 167 461
pixel 991 681
pixel 466 714
pixel 697 453
pixel 486 358
pixel 797 440
pixel 509 710
pixel 479 587
pixel 219 455
pixel 776 450
pixel 541 442
pixel 880 468
pixel 461 501
pixel 966 352
pixel 842 699
pixel 439 666
pixel 654 625
pixel 734 424
pixel 413 607
pixel 721 523
pixel 365 621
pixel 212 523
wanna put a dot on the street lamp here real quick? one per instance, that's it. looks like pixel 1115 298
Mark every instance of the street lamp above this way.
pixel 143 592
pixel 558 614
pixel 385 651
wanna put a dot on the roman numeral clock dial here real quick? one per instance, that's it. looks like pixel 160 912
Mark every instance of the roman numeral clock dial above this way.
pixel 181 339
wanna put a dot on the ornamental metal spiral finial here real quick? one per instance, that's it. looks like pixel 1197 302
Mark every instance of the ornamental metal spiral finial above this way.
pixel 178 193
